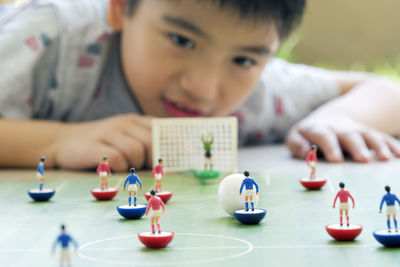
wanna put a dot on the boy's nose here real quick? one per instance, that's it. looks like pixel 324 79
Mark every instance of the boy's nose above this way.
pixel 200 84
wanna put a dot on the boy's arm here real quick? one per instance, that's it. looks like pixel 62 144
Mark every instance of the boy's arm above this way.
pixel 24 142
pixel 364 117
pixel 126 139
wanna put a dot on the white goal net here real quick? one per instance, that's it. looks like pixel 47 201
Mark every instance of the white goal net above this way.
pixel 178 141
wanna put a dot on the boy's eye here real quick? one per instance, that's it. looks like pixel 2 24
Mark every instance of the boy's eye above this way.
pixel 244 62
pixel 181 41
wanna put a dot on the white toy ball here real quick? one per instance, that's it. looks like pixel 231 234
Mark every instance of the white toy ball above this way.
pixel 229 197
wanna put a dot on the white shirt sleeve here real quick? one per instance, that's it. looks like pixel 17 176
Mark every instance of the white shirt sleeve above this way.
pixel 285 94
pixel 27 40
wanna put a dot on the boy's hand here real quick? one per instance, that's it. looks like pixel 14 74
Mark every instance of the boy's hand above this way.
pixel 125 139
pixel 335 134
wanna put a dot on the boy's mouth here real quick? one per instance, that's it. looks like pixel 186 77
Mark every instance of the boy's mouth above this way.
pixel 177 110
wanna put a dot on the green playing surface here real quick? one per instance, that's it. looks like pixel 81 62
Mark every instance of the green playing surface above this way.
pixel 292 234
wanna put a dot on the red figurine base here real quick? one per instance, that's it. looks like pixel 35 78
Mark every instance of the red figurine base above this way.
pixel 164 195
pixel 313 184
pixel 156 240
pixel 344 233
pixel 106 194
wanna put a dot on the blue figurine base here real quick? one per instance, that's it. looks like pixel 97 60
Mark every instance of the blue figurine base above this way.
pixel 391 240
pixel 41 195
pixel 132 212
pixel 250 217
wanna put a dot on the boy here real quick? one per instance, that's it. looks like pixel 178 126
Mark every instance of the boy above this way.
pixel 108 66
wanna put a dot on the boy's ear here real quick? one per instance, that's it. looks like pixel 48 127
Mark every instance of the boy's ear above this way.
pixel 115 14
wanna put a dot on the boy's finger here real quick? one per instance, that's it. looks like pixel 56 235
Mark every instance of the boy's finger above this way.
pixel 394 145
pixel 143 120
pixel 143 135
pixel 327 141
pixel 92 158
pixel 297 144
pixel 132 149
pixel 355 145
pixel 376 142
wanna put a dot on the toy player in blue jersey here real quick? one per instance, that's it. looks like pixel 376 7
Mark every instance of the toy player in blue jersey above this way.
pixel 132 179
pixel 64 239
pixel 248 183
pixel 390 200
pixel 40 172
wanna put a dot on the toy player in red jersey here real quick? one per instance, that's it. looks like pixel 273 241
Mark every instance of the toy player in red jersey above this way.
pixel 338 231
pixel 312 182
pixel 153 239
pixel 312 160
pixel 158 174
pixel 343 196
pixel 155 203
pixel 103 170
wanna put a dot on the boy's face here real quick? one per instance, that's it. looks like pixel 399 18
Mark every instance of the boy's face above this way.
pixel 189 58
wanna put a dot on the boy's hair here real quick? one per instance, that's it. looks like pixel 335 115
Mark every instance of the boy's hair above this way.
pixel 286 14
pixel 341 185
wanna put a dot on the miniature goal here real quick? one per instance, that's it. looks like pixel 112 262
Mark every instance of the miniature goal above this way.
pixel 178 142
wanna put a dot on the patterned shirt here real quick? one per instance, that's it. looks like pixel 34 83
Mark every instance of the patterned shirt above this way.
pixel 60 61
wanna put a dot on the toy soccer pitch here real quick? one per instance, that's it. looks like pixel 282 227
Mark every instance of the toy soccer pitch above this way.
pixel 387 237
pixel 132 211
pixel 64 240
pixel 188 144
pixel 249 215
pixel 41 193
pixel 155 239
pixel 348 231
pixel 158 175
pixel 312 182
pixel 104 192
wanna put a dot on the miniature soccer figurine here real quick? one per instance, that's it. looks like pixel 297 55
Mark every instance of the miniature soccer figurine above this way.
pixel 41 193
pixel 132 179
pixel 343 196
pixel 350 231
pixel 104 192
pixel 158 174
pixel 244 215
pixel 248 182
pixel 64 239
pixel 103 170
pixel 207 143
pixel 312 160
pixel 312 182
pixel 137 210
pixel 155 239
pixel 390 200
pixel 155 204
pixel 385 236
pixel 40 172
